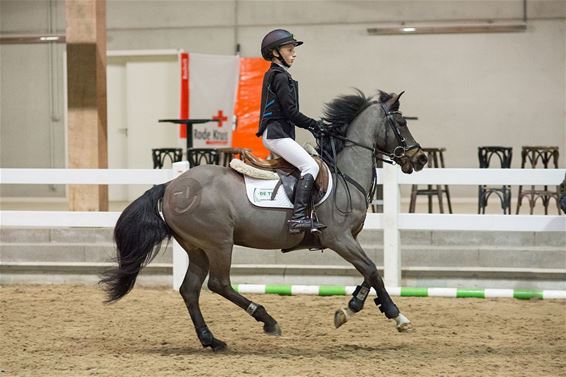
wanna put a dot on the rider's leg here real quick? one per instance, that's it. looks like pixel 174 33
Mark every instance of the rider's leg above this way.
pixel 300 221
pixel 293 153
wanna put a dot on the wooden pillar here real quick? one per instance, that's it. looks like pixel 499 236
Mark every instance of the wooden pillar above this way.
pixel 86 92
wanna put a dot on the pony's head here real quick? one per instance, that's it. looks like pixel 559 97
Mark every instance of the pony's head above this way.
pixel 395 139
pixel 392 136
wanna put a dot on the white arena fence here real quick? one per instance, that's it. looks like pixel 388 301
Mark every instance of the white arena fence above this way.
pixel 391 221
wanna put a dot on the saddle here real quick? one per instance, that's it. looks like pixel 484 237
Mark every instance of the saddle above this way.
pixel 289 174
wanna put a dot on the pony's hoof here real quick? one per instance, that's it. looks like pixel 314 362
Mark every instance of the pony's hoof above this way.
pixel 406 327
pixel 216 345
pixel 403 324
pixel 341 316
pixel 273 330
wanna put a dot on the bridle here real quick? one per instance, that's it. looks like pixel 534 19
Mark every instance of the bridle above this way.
pixel 402 148
pixel 398 152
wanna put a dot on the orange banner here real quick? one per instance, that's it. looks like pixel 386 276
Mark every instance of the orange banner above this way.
pixel 248 104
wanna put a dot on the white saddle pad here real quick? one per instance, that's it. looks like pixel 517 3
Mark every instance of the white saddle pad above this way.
pixel 259 192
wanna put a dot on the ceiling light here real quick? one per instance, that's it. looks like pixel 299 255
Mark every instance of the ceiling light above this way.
pixel 49 38
pixel 448 28
pixel 31 38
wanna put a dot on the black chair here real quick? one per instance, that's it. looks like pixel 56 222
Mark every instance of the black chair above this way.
pixel 504 154
pixel 159 155
pixel 532 156
pixel 200 156
pixel 435 160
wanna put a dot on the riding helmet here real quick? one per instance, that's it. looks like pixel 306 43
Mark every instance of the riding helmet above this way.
pixel 275 39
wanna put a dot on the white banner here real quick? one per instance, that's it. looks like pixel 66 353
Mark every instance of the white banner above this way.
pixel 213 86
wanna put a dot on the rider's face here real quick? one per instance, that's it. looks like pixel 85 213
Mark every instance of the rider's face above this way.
pixel 287 53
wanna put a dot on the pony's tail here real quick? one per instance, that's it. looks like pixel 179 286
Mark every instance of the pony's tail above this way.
pixel 138 235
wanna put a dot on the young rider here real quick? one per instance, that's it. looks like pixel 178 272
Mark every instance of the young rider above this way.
pixel 279 116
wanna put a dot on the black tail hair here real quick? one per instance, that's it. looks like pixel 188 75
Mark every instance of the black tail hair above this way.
pixel 138 235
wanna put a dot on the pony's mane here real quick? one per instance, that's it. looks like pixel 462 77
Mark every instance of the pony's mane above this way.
pixel 340 112
pixel 343 109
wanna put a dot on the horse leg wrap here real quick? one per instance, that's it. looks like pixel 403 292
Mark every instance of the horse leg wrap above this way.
pixel 359 297
pixel 205 336
pixel 260 314
pixel 251 308
pixel 386 306
pixel 208 340
pixel 383 301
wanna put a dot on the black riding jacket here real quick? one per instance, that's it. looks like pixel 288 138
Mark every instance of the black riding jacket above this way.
pixel 280 105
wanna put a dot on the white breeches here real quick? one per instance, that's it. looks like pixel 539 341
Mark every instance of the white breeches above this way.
pixel 293 153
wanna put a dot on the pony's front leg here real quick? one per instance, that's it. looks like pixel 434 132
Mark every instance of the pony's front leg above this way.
pixel 387 306
pixel 355 304
pixel 349 249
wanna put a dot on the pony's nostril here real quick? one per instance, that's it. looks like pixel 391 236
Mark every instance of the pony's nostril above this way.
pixel 423 159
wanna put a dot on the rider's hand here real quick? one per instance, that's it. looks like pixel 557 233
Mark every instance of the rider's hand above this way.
pixel 318 129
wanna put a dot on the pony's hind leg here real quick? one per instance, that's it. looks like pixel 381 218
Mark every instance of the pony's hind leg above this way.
pixel 190 291
pixel 219 282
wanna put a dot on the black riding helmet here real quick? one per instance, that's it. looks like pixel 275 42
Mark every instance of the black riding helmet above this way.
pixel 275 39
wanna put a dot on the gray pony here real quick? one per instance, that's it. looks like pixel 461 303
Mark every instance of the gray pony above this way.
pixel 207 212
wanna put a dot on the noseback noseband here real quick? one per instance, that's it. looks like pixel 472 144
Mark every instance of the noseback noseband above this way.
pixel 402 148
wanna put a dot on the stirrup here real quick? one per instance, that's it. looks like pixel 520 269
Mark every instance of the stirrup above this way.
pixel 302 225
pixel 316 226
pixel 317 229
pixel 295 226
pixel 299 225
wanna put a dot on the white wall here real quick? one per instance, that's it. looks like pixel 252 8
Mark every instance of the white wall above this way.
pixel 467 89
pixel 133 130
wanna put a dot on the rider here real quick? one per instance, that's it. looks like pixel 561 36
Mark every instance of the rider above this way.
pixel 279 116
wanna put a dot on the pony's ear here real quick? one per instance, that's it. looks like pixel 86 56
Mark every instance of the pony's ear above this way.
pixel 399 96
pixel 383 96
pixel 393 102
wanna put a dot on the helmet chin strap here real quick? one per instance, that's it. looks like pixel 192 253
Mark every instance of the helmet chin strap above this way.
pixel 281 58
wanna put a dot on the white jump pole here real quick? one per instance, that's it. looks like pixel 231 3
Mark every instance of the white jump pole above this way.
pixel 180 257
pixel 391 236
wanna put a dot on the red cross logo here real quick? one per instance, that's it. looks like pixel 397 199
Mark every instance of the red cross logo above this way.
pixel 220 117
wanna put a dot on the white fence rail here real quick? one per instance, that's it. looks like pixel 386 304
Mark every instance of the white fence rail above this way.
pixel 391 220
pixel 85 176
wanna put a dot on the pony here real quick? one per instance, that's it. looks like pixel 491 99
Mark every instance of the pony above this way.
pixel 206 211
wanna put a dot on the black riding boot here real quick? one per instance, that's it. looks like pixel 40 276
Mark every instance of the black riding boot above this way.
pixel 300 221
